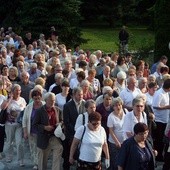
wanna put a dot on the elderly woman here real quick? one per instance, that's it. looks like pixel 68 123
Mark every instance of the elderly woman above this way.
pixel 136 152
pixel 87 90
pixel 13 129
pixel 82 119
pixel 135 116
pixel 46 119
pixel 29 131
pixel 93 142
pixel 95 84
pixel 115 124
pixel 13 75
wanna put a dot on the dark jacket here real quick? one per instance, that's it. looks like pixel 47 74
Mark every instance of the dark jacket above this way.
pixel 129 158
pixel 70 115
pixel 49 81
pixel 41 119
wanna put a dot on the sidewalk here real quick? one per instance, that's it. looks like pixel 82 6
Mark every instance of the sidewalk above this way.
pixel 28 163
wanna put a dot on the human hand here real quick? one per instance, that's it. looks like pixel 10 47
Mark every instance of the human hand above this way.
pixel 48 128
pixel 25 135
pixel 71 160
pixel 107 163
pixel 155 152
pixel 118 144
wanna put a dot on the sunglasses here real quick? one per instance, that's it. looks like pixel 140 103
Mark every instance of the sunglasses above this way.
pixel 95 123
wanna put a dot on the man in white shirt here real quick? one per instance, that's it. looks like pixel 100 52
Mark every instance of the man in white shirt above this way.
pixel 129 93
pixel 161 108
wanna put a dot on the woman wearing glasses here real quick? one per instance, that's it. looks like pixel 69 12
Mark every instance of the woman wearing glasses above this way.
pixel 133 117
pixel 136 152
pixel 93 143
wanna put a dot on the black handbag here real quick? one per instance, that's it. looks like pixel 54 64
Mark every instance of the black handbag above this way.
pixel 3 116
pixel 77 152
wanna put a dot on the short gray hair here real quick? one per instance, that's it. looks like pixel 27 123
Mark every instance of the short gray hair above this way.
pixel 88 102
pixel 117 100
pixel 49 95
pixel 76 90
pixel 137 100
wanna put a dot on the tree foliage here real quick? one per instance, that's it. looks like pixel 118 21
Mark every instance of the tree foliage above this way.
pixel 38 16
pixel 162 28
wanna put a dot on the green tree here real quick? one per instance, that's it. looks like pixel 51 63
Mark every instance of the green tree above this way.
pixel 162 28
pixel 37 16
pixel 8 15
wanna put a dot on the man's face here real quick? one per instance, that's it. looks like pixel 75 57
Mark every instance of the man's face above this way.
pixel 78 96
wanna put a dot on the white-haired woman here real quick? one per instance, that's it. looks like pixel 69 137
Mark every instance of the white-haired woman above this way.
pixel 13 128
pixel 115 123
pixel 13 75
pixel 135 116
pixel 87 90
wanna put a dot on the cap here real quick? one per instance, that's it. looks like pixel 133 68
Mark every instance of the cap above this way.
pixel 121 75
pixel 58 132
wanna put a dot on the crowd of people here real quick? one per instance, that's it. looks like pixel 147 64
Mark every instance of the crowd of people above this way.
pixel 115 110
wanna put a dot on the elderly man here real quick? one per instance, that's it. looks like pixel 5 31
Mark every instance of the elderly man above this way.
pixel 70 113
pixel 47 118
pixel 26 85
pixel 129 93
pixel 56 88
pixel 34 72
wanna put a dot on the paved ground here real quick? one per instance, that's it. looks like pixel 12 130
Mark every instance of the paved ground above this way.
pixel 28 164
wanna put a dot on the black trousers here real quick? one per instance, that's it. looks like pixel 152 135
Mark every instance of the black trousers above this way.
pixel 158 135
pixel 166 165
pixel 66 153
pixel 2 137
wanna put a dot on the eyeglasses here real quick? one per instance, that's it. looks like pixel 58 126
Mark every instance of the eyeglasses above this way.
pixel 95 123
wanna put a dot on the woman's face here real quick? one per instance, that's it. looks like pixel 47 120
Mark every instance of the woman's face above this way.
pixel 142 136
pixel 117 107
pixel 5 71
pixel 12 72
pixel 85 87
pixel 37 99
pixel 138 107
pixel 107 101
pixel 91 108
pixel 17 91
pixel 94 125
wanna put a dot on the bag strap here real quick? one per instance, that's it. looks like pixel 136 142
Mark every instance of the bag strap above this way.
pixel 82 137
pixel 83 119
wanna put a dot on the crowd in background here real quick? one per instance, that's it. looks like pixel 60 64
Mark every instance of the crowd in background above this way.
pixel 96 99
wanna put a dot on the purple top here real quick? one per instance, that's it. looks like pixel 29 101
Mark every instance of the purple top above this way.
pixel 32 118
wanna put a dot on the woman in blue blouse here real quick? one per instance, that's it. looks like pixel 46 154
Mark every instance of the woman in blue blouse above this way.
pixel 136 152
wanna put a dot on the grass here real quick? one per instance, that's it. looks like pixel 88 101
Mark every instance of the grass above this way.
pixel 106 39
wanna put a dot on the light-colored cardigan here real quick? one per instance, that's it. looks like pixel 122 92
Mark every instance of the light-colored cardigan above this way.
pixel 26 121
